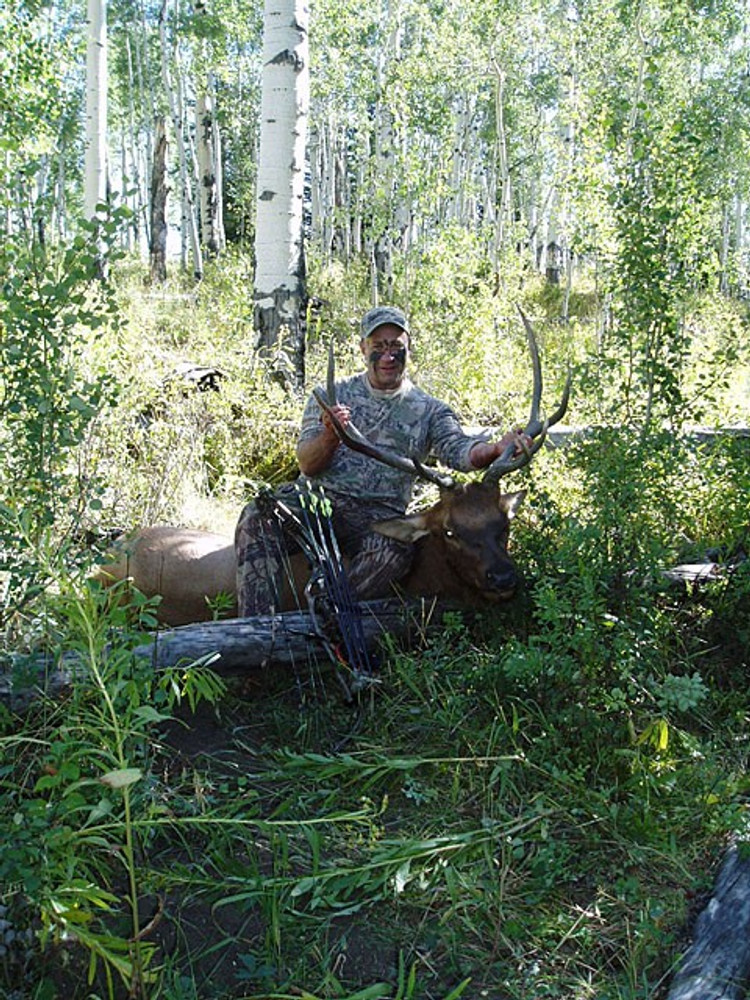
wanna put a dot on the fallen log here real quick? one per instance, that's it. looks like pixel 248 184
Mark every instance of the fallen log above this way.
pixel 230 647
pixel 282 640
pixel 562 435
pixel 696 573
pixel 717 964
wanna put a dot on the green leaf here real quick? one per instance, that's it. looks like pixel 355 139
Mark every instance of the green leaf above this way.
pixel 149 714
pixel 100 810
pixel 122 777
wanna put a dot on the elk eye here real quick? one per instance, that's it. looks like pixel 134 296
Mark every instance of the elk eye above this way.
pixel 449 533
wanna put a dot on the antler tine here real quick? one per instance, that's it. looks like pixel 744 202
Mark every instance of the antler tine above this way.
pixel 354 439
pixel 563 407
pixel 535 428
pixel 508 461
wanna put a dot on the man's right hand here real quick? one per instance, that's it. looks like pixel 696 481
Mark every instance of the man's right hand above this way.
pixel 342 413
pixel 315 455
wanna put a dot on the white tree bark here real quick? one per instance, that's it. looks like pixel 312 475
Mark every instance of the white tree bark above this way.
pixel 208 151
pixel 133 178
pixel 144 89
pixel 158 204
pixel 177 110
pixel 317 157
pixel 740 207
pixel 95 164
pixel 383 166
pixel 329 202
pixel 60 209
pixel 503 191
pixel 280 262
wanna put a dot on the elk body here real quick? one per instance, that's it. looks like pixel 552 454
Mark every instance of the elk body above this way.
pixel 461 555
pixel 461 542
pixel 186 567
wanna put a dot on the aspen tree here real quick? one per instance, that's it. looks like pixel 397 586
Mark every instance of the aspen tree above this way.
pixel 280 262
pixel 95 168
pixel 175 94
pixel 208 151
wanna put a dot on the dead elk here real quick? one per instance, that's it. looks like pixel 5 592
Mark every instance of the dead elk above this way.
pixel 461 542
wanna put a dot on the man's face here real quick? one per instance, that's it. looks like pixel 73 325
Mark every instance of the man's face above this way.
pixel 386 352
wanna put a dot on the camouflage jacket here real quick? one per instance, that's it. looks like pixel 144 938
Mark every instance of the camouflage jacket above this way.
pixel 409 422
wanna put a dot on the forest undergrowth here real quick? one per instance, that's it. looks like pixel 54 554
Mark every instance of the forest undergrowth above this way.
pixel 530 803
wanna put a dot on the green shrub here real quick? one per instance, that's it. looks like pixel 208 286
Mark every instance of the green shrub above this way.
pixel 53 305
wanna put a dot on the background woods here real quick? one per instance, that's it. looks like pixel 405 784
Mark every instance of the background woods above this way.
pixel 528 804
pixel 529 128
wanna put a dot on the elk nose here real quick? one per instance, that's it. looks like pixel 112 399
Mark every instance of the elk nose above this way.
pixel 502 579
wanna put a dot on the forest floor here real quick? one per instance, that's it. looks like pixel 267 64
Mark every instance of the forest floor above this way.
pixel 211 947
pixel 602 913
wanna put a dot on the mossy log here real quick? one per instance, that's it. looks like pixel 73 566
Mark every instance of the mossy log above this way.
pixel 717 964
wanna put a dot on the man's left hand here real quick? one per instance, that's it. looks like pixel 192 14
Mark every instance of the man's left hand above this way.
pixel 516 437
pixel 484 453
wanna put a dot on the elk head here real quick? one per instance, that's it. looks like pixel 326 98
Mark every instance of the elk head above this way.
pixel 462 544
pixel 462 541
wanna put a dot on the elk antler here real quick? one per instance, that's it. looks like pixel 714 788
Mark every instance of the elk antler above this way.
pixel 355 440
pixel 536 429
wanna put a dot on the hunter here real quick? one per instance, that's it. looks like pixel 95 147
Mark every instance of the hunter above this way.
pixel 391 412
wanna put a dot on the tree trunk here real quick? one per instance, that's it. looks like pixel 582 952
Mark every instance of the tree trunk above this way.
pixel 320 221
pixel 381 198
pixel 95 166
pixel 159 193
pixel 59 209
pixel 145 102
pixel 177 111
pixel 280 292
pixel 717 964
pixel 504 192
pixel 739 241
pixel 188 177
pixel 127 234
pixel 135 178
pixel 209 173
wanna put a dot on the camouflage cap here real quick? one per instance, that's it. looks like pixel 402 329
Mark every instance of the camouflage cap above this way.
pixel 379 316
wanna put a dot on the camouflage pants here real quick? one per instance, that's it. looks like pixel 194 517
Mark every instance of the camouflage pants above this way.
pixel 262 546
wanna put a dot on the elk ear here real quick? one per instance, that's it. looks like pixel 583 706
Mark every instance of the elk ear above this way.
pixel 510 502
pixel 404 529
